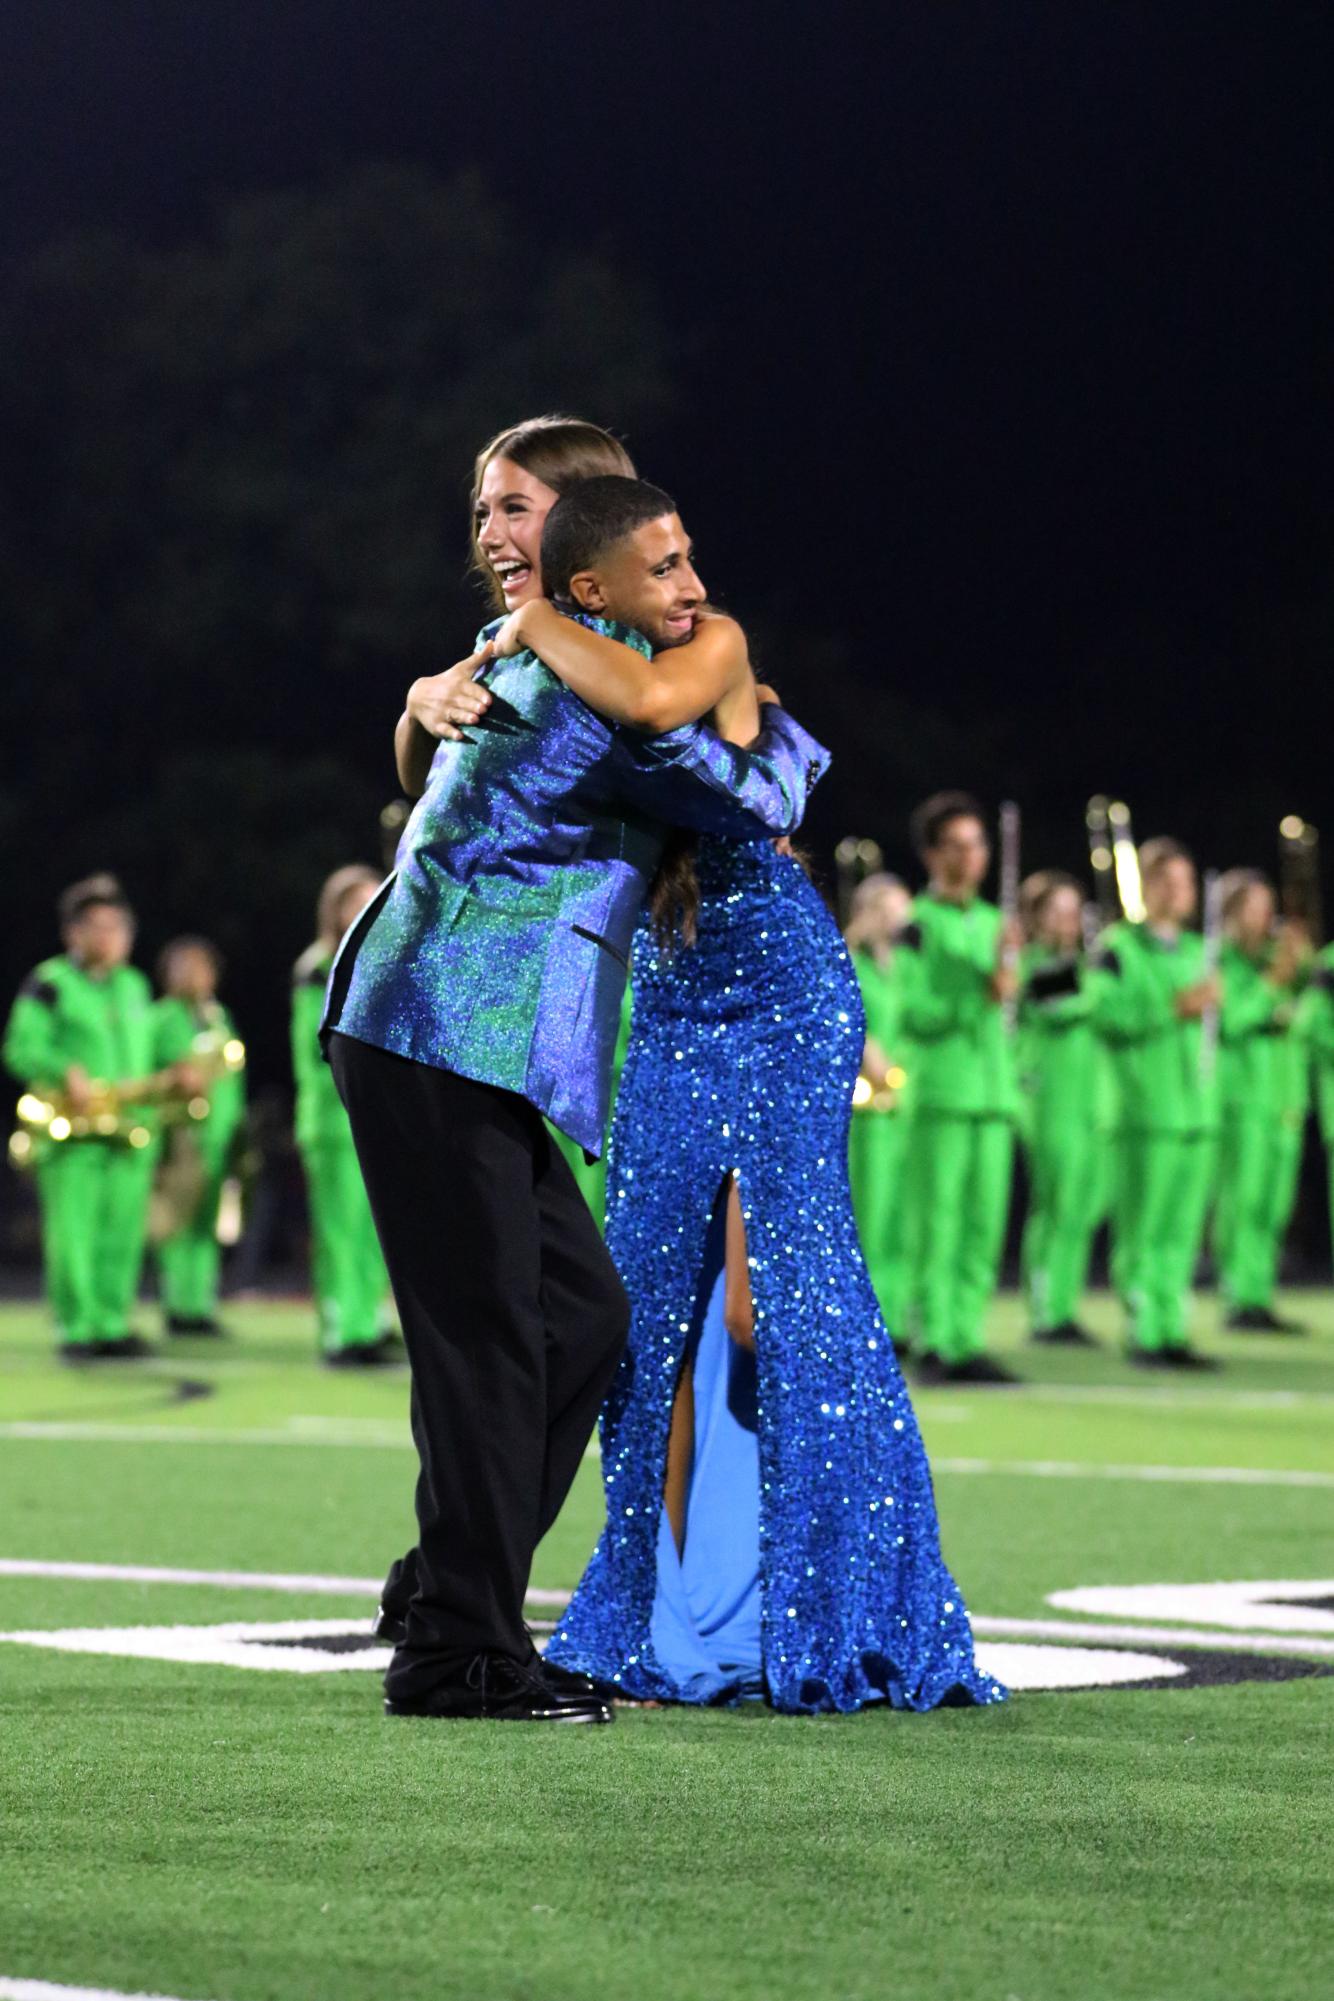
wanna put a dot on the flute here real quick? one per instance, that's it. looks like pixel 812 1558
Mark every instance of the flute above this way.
pixel 1009 895
pixel 1213 941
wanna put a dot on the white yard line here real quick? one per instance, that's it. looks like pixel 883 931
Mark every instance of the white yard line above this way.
pixel 49 1990
pixel 317 1585
pixel 296 1582
pixel 395 1438
pixel 311 1431
pixel 1161 1399
pixel 1074 1469
pixel 1162 1636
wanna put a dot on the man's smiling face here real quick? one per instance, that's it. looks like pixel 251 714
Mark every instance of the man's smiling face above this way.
pixel 648 581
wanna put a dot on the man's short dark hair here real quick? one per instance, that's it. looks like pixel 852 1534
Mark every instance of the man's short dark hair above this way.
pixel 931 818
pixel 92 891
pixel 590 519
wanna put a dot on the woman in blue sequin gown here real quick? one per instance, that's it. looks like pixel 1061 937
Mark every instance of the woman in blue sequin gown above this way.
pixel 809 1569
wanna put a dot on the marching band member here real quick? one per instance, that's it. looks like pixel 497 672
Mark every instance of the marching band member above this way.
pixel 80 1032
pixel 878 1139
pixel 192 1027
pixel 955 985
pixel 1064 1108
pixel 348 1271
pixel 1151 992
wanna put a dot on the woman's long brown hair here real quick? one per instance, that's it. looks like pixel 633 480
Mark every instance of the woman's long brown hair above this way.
pixel 560 451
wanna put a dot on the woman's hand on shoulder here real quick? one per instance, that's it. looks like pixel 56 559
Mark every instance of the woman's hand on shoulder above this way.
pixel 444 704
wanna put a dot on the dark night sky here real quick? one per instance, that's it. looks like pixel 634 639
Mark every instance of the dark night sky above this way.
pixel 1004 329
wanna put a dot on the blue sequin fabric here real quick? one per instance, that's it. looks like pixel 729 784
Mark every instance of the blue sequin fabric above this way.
pixel 744 1052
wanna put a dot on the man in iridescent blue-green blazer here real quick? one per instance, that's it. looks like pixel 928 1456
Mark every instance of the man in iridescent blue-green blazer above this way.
pixel 479 990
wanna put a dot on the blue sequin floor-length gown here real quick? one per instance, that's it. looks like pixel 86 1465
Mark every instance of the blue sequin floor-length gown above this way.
pixel 812 1570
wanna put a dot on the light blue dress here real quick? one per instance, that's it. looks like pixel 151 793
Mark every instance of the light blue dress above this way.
pixel 812 1572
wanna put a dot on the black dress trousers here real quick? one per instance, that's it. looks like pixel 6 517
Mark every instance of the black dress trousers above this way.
pixel 514 1320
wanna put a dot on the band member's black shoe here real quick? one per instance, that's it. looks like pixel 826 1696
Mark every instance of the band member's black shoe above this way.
pixel 980 1369
pixel 384 1353
pixel 1146 1358
pixel 1069 1334
pixel 202 1326
pixel 1185 1357
pixel 1260 1320
pixel 122 1348
pixel 499 1690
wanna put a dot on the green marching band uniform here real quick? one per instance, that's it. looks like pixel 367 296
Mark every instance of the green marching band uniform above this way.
pixel 961 1131
pixel 878 1142
pixel 350 1280
pixel 1165 1133
pixel 196 1155
pixel 1065 1110
pixel 1315 1034
pixel 1264 1086
pixel 93 1188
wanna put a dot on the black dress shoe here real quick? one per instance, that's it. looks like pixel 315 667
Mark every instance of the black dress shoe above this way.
pixel 1260 1320
pixel 499 1690
pixel 202 1326
pixel 568 1682
pixel 1145 1358
pixel 1069 1334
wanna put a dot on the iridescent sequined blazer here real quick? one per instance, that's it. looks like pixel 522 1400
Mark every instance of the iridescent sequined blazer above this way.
pixel 499 946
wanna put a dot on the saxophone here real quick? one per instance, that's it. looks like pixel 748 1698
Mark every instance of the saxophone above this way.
pixel 114 1112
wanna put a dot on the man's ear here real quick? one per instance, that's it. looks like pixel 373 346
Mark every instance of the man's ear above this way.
pixel 587 592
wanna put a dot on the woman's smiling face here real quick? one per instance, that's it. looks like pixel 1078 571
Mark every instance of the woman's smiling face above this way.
pixel 511 508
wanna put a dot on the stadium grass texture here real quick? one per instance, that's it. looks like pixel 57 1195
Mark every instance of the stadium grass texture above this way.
pixel 227 1835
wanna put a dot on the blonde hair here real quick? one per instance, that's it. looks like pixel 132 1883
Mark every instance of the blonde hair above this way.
pixel 560 451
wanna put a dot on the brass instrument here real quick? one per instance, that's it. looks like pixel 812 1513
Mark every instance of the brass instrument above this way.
pixel 182 1176
pixel 872 1093
pixel 1299 874
pixel 855 858
pixel 114 1112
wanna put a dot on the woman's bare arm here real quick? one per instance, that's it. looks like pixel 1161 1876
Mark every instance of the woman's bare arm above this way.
pixel 439 706
pixel 675 687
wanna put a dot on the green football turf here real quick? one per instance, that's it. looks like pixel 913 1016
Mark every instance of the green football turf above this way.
pixel 229 1835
